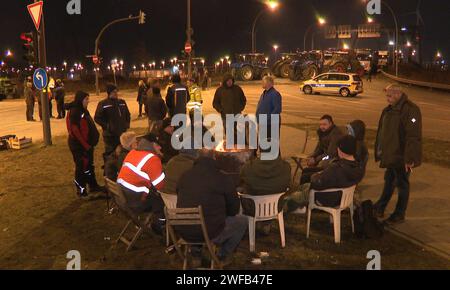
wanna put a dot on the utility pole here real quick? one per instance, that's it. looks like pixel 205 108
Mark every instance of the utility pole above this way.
pixel 140 17
pixel 44 93
pixel 189 33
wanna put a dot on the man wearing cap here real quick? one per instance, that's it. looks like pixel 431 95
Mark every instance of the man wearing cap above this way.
pixel 398 148
pixel 114 162
pixel 141 176
pixel 343 172
pixel 113 116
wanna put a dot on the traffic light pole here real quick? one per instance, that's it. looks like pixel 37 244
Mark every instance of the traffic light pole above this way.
pixel 97 43
pixel 189 37
pixel 44 94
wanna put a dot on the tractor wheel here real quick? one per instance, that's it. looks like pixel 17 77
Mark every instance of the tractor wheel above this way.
pixel 339 67
pixel 294 75
pixel 247 73
pixel 284 71
pixel 310 72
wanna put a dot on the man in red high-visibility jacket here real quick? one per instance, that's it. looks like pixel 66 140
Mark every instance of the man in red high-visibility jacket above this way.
pixel 141 176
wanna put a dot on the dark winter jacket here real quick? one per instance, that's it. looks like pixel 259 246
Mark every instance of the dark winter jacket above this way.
pixel 60 93
pixel 264 177
pixel 177 98
pixel 269 104
pixel 113 116
pixel 142 94
pixel 83 134
pixel 340 173
pixel 358 130
pixel 229 100
pixel 399 137
pixel 175 168
pixel 114 162
pixel 205 185
pixel 29 96
pixel 165 141
pixel 327 143
pixel 156 107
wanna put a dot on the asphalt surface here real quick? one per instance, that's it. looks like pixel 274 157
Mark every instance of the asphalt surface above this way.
pixel 435 106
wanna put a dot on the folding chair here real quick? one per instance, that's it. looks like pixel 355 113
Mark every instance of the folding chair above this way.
pixel 170 201
pixel 346 203
pixel 266 209
pixel 310 142
pixel 133 219
pixel 184 217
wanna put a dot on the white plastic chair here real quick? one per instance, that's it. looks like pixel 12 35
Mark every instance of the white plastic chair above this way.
pixel 266 209
pixel 170 201
pixel 346 203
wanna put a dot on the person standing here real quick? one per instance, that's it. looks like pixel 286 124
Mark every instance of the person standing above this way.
pixel 113 116
pixel 83 137
pixel 177 97
pixel 229 99
pixel 398 148
pixel 142 96
pixel 269 104
pixel 156 108
pixel 29 100
pixel 59 97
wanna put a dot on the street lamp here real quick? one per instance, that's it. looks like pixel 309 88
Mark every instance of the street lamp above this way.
pixel 345 46
pixel 9 53
pixel 275 47
pixel 370 19
pixel 321 21
pixel 272 5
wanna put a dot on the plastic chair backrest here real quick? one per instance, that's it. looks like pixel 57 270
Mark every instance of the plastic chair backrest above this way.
pixel 170 200
pixel 266 206
pixel 346 200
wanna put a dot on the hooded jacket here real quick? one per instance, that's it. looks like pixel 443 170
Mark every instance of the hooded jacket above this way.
pixel 205 185
pixel 83 134
pixel 327 145
pixel 399 136
pixel 177 98
pixel 113 116
pixel 156 107
pixel 340 173
pixel 229 100
pixel 175 168
pixel 357 129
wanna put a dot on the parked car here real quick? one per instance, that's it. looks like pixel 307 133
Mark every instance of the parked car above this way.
pixel 344 84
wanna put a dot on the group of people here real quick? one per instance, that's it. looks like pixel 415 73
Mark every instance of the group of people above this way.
pixel 145 166
pixel 54 91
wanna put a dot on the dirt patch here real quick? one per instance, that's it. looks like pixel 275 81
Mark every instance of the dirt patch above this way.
pixel 41 219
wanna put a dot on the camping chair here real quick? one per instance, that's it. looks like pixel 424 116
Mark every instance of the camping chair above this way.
pixel 183 217
pixel 142 226
pixel 309 145
pixel 346 202
pixel 170 201
pixel 266 209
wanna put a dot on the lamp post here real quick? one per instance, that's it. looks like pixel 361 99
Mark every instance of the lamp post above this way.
pixel 272 5
pixel 320 22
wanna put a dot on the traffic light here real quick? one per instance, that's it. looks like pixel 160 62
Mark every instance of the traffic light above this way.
pixel 29 46
pixel 141 17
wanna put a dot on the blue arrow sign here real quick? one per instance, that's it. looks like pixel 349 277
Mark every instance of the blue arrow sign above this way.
pixel 40 79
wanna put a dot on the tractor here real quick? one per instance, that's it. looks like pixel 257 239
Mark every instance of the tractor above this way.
pixel 281 67
pixel 251 66
pixel 317 62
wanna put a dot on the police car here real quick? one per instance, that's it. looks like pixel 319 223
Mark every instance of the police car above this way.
pixel 345 84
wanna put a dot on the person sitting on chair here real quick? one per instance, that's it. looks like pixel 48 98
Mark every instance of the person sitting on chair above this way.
pixel 343 172
pixel 176 167
pixel 205 185
pixel 141 177
pixel 326 149
pixel 114 161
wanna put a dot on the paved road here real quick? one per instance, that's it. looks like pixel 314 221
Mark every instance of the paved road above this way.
pixel 435 107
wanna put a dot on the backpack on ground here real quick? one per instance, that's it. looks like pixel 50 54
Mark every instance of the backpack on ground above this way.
pixel 366 224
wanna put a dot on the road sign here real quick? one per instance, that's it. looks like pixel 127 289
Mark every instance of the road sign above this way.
pixel 40 79
pixel 188 47
pixel 369 30
pixel 35 11
pixel 344 31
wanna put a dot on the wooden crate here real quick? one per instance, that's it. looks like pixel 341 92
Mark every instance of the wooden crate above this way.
pixel 19 144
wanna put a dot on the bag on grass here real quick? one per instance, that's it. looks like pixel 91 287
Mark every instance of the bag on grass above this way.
pixel 366 224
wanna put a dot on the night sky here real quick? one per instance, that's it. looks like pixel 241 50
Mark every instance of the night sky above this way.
pixel 221 26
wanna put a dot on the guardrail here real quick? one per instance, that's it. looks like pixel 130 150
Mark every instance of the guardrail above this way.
pixel 417 83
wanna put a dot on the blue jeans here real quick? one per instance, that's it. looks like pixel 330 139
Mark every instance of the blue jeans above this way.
pixel 232 234
pixel 395 177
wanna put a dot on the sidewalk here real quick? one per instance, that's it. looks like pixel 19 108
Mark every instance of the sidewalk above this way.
pixel 428 216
